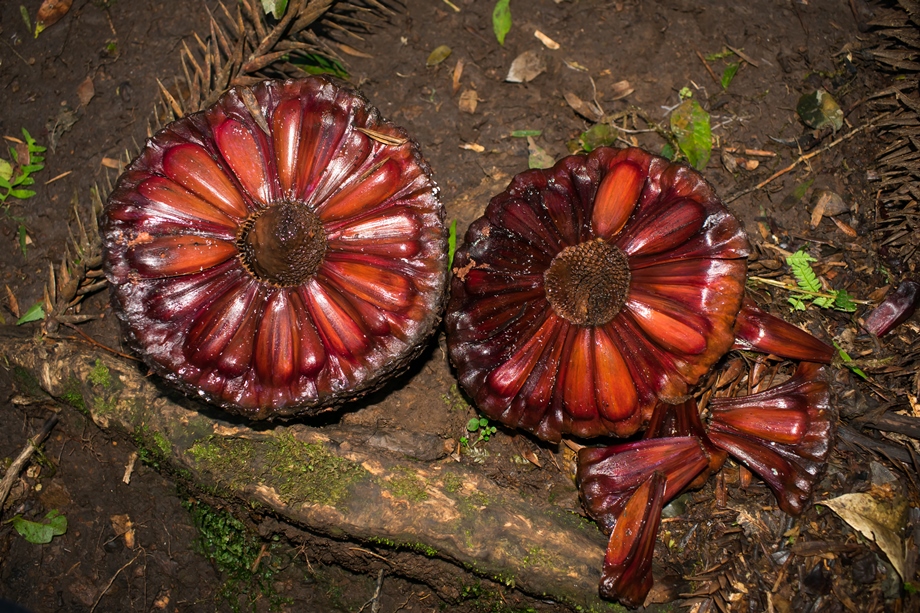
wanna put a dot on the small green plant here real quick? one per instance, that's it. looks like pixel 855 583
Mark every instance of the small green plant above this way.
pixel 235 550
pixel 41 532
pixel 479 426
pixel 809 287
pixel 313 63
pixel 15 175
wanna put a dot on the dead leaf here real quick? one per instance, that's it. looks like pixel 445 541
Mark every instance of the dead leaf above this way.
pixel 832 202
pixel 621 89
pixel 845 227
pixel 526 67
pixel 473 147
pixel 49 13
pixel 468 101
pixel 12 302
pixel 112 163
pixel 438 55
pixel 538 157
pixel 585 109
pixel 877 520
pixel 124 527
pixel 85 91
pixel 458 72
pixel 817 213
pixel 546 40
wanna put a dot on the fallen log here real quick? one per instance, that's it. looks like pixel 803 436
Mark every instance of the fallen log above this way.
pixel 342 483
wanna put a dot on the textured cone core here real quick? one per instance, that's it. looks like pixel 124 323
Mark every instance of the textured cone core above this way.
pixel 283 245
pixel 587 284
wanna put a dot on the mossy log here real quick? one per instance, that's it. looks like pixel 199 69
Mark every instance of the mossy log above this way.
pixel 341 483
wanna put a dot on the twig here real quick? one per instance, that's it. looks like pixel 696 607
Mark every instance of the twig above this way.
pixel 371 553
pixel 112 580
pixel 708 68
pixel 375 599
pixel 12 473
pixel 96 343
pixel 807 156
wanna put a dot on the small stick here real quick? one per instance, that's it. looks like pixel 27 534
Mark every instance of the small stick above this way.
pixel 112 580
pixel 12 473
pixel 708 69
pixel 805 157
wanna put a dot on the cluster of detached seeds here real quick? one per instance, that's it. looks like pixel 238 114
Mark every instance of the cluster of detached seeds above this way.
pixel 284 251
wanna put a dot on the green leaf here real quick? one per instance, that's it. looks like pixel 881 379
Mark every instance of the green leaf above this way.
pixel 22 194
pixel 275 8
pixel 501 20
pixel 36 312
pixel 6 171
pixel 668 152
pixel 690 125
pixel 599 135
pixel 313 63
pixel 844 301
pixel 40 533
pixel 805 276
pixel 31 168
pixel 25 17
pixel 819 109
pixel 729 73
pixel 451 243
pixel 847 361
pixel 473 424
pixel 526 133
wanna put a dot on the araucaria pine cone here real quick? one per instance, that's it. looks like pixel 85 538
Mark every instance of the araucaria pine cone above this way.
pixel 279 252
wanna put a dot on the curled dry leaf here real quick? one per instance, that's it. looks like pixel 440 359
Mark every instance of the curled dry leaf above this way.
pixel 50 13
pixel 620 90
pixel 585 109
pixel 526 67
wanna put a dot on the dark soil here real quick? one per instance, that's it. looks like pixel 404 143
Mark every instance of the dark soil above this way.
pixel 724 550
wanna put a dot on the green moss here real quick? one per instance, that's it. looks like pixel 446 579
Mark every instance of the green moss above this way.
pixel 26 383
pixel 152 447
pixel 72 395
pixel 452 482
pixel 406 484
pixel 229 460
pixel 100 375
pixel 308 472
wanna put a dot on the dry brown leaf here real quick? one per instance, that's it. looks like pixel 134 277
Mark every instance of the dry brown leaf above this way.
pixel 458 72
pixel 526 67
pixel 877 520
pixel 468 101
pixel 620 90
pixel 124 527
pixel 86 90
pixel 845 227
pixel 49 13
pixel 112 163
pixel 12 302
pixel 585 109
